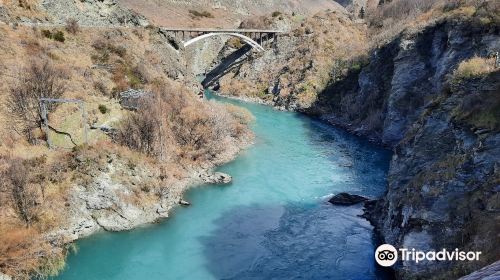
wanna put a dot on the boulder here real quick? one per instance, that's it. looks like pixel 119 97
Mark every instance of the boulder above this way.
pixel 216 178
pixel 184 203
pixel 346 199
pixel 4 276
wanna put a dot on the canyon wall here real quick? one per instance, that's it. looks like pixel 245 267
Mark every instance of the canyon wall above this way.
pixel 444 176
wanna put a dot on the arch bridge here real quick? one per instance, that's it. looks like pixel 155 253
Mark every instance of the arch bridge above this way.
pixel 256 38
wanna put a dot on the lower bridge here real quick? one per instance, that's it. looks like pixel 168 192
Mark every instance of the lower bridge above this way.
pixel 256 38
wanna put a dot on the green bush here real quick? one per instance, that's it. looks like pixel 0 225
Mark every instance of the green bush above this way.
pixel 206 14
pixel 103 109
pixel 59 36
pixel 47 34
pixel 276 14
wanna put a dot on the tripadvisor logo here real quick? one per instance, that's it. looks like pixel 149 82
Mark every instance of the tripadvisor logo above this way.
pixel 386 255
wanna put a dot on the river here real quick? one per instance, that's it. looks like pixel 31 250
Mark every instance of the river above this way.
pixel 272 222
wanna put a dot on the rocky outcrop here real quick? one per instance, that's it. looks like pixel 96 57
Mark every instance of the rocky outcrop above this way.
pixel 346 199
pixel 93 13
pixel 401 78
pixel 216 178
pixel 117 197
pixel 490 272
pixel 4 277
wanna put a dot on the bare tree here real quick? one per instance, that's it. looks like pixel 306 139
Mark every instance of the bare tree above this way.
pixel 176 124
pixel 24 195
pixel 143 130
pixel 39 79
pixel 72 26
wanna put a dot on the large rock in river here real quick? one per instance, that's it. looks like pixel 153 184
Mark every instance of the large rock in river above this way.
pixel 346 199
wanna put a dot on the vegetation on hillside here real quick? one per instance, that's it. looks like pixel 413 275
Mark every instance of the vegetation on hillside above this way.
pixel 175 124
pixel 391 18
pixel 93 65
pixel 475 67
pixel 316 50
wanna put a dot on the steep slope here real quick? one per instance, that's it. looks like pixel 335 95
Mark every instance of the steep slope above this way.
pixel 300 63
pixel 443 179
pixel 221 13
pixel 115 180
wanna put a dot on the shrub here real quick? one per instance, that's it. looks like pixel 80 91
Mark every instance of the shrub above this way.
pixel 176 124
pixel 276 14
pixel 202 14
pixel 235 43
pixel 23 194
pixel 72 26
pixel 474 68
pixel 47 34
pixel 25 254
pixel 105 49
pixel 121 51
pixel 59 36
pixel 101 57
pixel 103 109
pixel 99 44
pixel 101 87
pixel 261 22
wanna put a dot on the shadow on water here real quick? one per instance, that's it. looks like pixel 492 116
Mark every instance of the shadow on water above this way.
pixel 293 241
pixel 367 162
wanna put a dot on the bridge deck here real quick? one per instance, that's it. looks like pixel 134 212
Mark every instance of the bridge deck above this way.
pixel 214 30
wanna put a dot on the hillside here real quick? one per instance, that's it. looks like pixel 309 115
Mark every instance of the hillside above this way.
pixel 222 13
pixel 135 166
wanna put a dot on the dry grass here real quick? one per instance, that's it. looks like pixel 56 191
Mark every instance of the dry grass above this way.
pixel 390 19
pixel 25 254
pixel 474 68
pixel 200 14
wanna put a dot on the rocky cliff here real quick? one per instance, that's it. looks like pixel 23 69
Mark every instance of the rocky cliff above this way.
pixel 443 184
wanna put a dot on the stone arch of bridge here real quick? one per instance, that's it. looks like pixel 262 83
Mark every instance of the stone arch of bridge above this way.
pixel 246 39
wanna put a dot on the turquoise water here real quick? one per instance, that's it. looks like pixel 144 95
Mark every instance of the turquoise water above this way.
pixel 272 222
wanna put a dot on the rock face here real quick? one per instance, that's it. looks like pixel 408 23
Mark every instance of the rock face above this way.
pixel 443 180
pixel 346 199
pixel 93 13
pixel 491 272
pixel 109 200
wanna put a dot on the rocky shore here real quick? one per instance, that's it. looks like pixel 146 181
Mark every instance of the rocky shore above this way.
pixel 105 203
